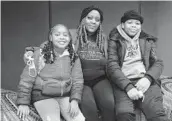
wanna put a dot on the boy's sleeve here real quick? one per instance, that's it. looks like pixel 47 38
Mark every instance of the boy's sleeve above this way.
pixel 113 68
pixel 156 64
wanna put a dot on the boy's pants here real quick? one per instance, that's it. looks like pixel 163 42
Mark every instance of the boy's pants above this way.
pixel 152 106
pixel 50 109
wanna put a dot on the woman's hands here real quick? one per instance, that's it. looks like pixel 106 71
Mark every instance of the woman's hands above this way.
pixel 23 111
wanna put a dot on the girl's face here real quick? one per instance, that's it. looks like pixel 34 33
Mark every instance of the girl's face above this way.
pixel 92 21
pixel 60 36
pixel 131 27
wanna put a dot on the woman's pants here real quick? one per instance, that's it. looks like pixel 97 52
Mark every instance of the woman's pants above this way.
pixel 152 105
pixel 99 97
pixel 49 109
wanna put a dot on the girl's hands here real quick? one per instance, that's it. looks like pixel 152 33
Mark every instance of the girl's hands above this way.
pixel 23 111
pixel 74 108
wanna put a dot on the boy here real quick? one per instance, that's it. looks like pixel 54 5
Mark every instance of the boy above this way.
pixel 134 69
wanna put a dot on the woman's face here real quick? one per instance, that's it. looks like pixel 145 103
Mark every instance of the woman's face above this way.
pixel 92 21
pixel 60 36
pixel 131 27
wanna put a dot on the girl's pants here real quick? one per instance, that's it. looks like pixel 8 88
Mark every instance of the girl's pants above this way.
pixel 50 109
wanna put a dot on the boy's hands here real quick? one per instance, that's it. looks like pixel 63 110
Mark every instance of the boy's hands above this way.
pixel 141 87
pixel 143 84
pixel 134 94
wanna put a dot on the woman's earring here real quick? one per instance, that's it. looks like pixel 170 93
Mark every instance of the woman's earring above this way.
pixel 51 56
pixel 50 38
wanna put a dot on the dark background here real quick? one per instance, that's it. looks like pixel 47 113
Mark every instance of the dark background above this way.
pixel 26 23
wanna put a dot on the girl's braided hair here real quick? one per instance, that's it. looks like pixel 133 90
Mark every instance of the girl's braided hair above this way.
pixel 48 49
pixel 82 36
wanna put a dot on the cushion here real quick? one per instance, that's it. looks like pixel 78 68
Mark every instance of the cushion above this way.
pixel 166 86
pixel 9 108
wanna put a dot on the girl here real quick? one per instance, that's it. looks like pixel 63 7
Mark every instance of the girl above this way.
pixel 91 46
pixel 52 80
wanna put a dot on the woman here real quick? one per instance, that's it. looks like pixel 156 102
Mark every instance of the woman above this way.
pixel 91 46
pixel 52 80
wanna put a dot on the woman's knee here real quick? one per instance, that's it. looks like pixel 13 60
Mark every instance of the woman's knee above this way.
pixel 104 94
pixel 88 106
pixel 107 104
pixel 88 102
pixel 87 94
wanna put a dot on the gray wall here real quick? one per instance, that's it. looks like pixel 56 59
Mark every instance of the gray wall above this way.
pixel 158 18
pixel 23 24
pixel 164 33
pixel 26 24
pixel 69 12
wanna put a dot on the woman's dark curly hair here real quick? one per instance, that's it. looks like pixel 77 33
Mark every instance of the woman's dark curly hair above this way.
pixel 48 49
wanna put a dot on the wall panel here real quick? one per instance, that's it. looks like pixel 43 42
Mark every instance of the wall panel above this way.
pixel 23 24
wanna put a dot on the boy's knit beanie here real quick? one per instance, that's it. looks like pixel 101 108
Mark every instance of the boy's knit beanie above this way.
pixel 131 14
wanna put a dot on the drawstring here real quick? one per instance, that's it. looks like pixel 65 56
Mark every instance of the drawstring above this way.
pixel 30 63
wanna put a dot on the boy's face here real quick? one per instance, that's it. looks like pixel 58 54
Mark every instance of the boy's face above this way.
pixel 131 27
pixel 60 37
pixel 92 21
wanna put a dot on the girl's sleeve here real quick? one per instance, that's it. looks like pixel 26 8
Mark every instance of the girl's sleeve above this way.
pixel 26 83
pixel 32 49
pixel 77 81
pixel 25 87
